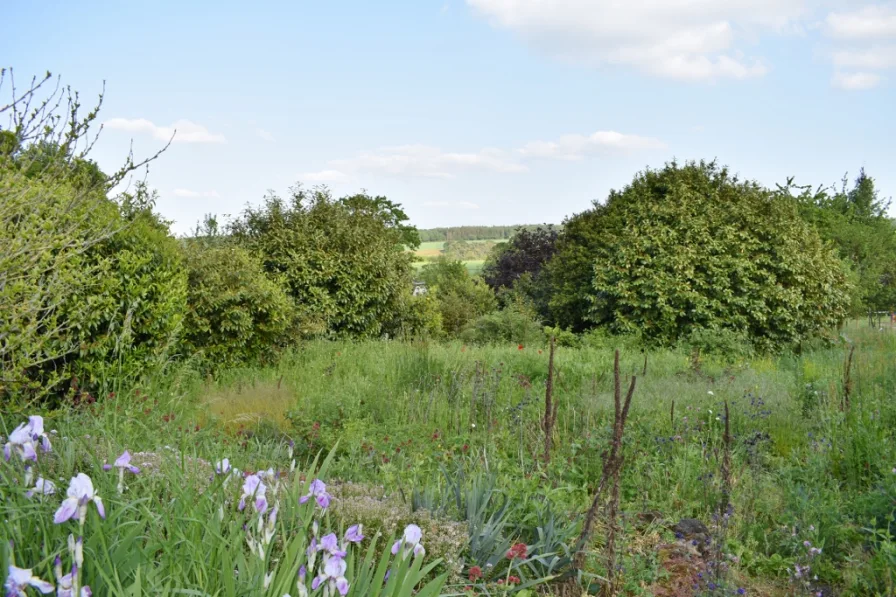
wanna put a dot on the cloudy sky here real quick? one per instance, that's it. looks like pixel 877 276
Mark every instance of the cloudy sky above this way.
pixel 470 111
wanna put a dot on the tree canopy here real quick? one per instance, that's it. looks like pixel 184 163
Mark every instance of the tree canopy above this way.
pixel 692 247
pixel 342 260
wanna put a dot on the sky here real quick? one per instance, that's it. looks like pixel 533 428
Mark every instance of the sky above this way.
pixel 468 111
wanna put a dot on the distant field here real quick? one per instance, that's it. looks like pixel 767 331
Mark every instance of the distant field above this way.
pixel 434 249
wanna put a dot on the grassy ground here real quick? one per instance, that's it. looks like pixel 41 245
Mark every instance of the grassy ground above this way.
pixel 455 430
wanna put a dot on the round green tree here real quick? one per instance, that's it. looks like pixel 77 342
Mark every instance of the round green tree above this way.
pixel 689 248
pixel 235 313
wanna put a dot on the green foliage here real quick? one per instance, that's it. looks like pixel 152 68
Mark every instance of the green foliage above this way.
pixel 418 317
pixel 571 270
pixel 137 302
pixel 855 222
pixel 235 313
pixel 461 250
pixel 518 267
pixel 94 290
pixel 692 247
pixel 90 288
pixel 504 326
pixel 342 261
pixel 460 298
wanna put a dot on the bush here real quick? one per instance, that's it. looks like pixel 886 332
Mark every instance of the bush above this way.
pixel 341 261
pixel 693 247
pixel 728 344
pixel 235 313
pixel 502 327
pixel 460 298
pixel 95 289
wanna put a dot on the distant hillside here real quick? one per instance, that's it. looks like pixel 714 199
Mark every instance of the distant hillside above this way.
pixel 472 232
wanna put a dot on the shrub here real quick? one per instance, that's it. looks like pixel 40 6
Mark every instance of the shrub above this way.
pixel 692 247
pixel 341 261
pixel 96 289
pixel 235 313
pixel 460 298
pixel 503 327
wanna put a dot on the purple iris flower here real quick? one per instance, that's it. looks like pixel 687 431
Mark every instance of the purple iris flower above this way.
pixel 330 544
pixel 253 487
pixel 317 490
pixel 80 493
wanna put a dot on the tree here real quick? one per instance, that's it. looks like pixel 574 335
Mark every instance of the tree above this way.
pixel 342 262
pixel 519 264
pixel 460 297
pixel 691 247
pixel 570 272
pixel 854 221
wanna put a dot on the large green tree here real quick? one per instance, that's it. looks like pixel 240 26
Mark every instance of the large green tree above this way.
pixel 342 260
pixel 854 220
pixel 691 247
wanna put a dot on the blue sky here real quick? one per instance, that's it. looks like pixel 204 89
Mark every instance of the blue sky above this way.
pixel 470 111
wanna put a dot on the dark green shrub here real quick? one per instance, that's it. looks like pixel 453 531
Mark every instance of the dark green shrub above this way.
pixel 693 247
pixel 96 288
pixel 235 313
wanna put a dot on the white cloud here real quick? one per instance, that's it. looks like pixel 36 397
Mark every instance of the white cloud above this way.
pixel 263 134
pixel 575 147
pixel 874 21
pixel 431 162
pixel 194 194
pixel 324 176
pixel 866 44
pixel 452 204
pixel 856 81
pixel 874 58
pixel 679 39
pixel 184 131
pixel 428 162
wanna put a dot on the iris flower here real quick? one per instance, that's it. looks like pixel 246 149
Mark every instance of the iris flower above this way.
pixel 122 463
pixel 330 544
pixel 410 540
pixel 317 490
pixel 65 584
pixel 253 487
pixel 20 579
pixel 353 534
pixel 222 467
pixel 80 493
pixel 23 438
pixel 41 487
pixel 333 574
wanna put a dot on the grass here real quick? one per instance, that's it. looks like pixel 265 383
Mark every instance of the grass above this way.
pixel 454 429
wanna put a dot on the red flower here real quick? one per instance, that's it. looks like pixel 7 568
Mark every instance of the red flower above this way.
pixel 517 552
pixel 475 573
pixel 514 580
pixel 519 347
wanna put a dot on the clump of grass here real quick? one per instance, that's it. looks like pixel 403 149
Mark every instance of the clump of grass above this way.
pixel 245 406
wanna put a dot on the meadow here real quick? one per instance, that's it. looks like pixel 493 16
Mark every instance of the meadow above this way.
pixel 450 438
pixel 430 250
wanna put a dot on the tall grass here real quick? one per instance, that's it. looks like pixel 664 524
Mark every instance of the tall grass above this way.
pixel 402 416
